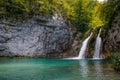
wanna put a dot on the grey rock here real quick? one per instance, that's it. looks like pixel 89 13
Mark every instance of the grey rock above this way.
pixel 2 48
pixel 113 36
pixel 35 37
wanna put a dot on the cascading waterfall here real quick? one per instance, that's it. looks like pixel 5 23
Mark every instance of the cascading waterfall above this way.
pixel 83 48
pixel 97 46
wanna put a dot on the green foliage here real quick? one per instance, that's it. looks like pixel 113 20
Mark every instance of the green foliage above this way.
pixel 24 7
pixel 109 10
pixel 96 21
pixel 83 14
pixel 13 7
pixel 116 61
pixel 77 12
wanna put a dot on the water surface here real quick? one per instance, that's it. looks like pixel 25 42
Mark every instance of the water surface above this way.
pixel 56 69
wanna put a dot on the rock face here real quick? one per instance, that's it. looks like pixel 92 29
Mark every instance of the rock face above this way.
pixel 112 40
pixel 38 36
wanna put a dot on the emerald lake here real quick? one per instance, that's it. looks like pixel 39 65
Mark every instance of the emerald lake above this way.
pixel 56 69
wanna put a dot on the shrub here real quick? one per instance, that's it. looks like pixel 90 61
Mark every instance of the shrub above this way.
pixel 116 61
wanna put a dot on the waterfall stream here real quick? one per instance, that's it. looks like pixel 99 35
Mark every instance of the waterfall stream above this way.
pixel 84 47
pixel 97 46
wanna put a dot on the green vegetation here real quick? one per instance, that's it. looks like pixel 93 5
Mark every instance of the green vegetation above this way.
pixel 78 12
pixel 116 61
pixel 109 10
pixel 83 14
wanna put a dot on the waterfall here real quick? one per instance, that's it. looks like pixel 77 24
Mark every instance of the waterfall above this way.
pixel 83 48
pixel 97 46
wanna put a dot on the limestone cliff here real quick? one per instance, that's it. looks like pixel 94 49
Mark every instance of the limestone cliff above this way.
pixel 38 36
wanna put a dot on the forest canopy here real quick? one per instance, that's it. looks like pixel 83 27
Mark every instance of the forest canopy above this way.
pixel 84 14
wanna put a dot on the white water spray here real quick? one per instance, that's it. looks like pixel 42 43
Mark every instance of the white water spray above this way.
pixel 97 46
pixel 83 48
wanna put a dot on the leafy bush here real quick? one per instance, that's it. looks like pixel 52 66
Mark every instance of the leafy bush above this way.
pixel 116 61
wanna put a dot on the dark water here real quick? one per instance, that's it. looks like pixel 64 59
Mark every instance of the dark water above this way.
pixel 56 69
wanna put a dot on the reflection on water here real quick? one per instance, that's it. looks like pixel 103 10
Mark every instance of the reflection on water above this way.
pixel 98 70
pixel 56 69
pixel 84 69
pixel 92 68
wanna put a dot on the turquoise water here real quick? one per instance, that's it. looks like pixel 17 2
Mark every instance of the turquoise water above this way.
pixel 56 69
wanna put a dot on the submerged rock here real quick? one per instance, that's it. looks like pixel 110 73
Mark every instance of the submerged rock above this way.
pixel 38 36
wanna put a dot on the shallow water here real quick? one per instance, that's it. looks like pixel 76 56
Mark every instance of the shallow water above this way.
pixel 56 69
